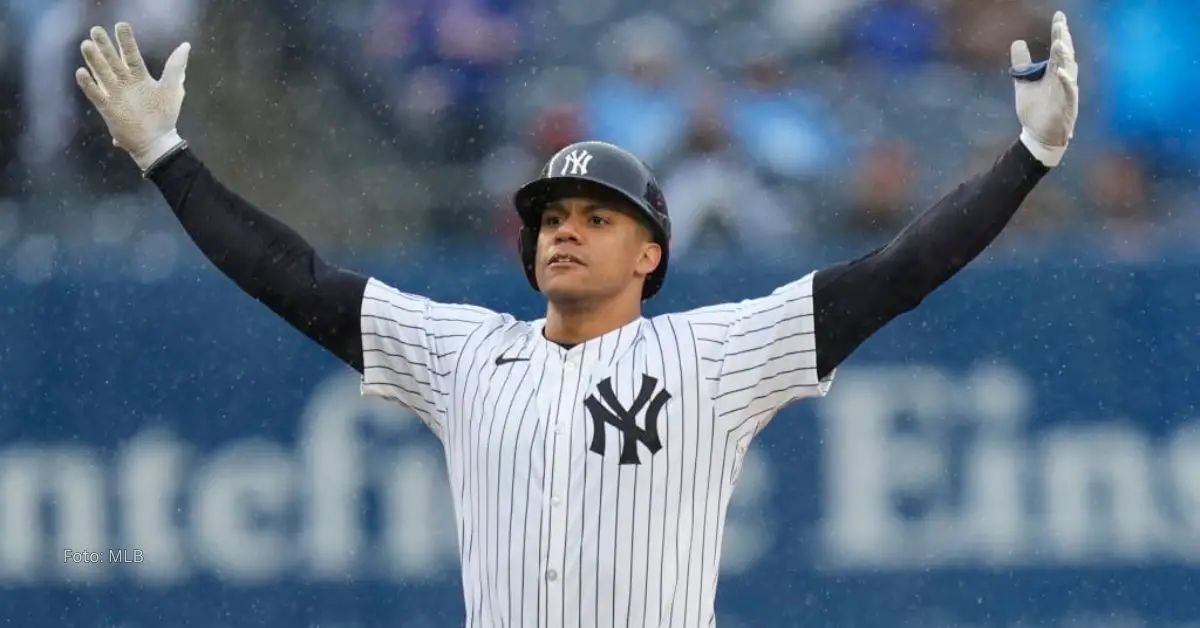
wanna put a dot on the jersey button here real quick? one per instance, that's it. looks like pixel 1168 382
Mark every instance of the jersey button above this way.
pixel 569 366
pixel 554 501
pixel 552 575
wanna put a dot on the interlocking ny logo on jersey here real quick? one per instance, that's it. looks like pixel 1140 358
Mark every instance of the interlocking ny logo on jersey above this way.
pixel 576 163
pixel 625 419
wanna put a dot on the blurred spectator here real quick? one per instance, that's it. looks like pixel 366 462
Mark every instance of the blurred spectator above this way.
pixel 868 137
pixel 512 166
pixel 62 137
pixel 10 102
pixel 448 59
pixel 1121 217
pixel 979 35
pixel 714 198
pixel 882 197
pixel 810 26
pixel 784 129
pixel 641 103
pixel 896 35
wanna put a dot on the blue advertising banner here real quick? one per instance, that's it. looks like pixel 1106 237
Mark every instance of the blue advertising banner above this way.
pixel 1022 450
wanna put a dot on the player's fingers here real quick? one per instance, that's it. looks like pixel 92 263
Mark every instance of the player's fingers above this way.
pixel 175 70
pixel 129 49
pixel 1070 88
pixel 1068 61
pixel 1060 57
pixel 1057 24
pixel 1019 52
pixel 1064 30
pixel 108 51
pixel 88 86
pixel 101 72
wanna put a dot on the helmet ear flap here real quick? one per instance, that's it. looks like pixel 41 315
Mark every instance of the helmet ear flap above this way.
pixel 527 249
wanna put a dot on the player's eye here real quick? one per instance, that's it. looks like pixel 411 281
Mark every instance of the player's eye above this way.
pixel 551 220
pixel 597 220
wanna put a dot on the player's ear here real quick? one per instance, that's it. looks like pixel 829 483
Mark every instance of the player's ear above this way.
pixel 650 258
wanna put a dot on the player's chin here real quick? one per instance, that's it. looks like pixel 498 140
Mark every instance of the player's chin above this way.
pixel 570 283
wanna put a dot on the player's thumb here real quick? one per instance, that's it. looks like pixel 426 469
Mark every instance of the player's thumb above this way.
pixel 1020 54
pixel 175 70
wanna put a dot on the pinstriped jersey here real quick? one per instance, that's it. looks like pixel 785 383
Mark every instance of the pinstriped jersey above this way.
pixel 590 484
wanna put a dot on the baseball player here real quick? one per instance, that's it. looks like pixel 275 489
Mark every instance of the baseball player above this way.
pixel 592 453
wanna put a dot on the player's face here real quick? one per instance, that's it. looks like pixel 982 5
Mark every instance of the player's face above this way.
pixel 589 248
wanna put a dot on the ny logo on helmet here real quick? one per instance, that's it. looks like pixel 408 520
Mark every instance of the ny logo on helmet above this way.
pixel 576 163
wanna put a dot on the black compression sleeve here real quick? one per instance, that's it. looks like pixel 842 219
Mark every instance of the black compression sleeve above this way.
pixel 265 258
pixel 853 300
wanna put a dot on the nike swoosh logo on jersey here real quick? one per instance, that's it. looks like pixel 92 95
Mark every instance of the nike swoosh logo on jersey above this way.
pixel 503 360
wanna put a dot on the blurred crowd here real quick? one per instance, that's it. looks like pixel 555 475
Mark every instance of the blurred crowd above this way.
pixel 773 124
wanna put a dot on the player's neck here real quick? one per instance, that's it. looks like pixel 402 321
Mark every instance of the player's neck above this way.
pixel 572 325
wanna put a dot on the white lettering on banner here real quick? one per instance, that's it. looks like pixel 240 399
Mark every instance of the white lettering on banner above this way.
pixel 1183 460
pixel 149 473
pixel 20 525
pixel 253 511
pixel 241 497
pixel 923 469
pixel 351 443
pixel 1108 469
pixel 65 482
pixel 250 511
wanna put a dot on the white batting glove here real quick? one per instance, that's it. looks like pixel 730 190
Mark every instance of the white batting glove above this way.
pixel 141 113
pixel 1047 94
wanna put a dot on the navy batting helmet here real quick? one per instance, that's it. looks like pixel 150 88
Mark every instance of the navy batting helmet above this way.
pixel 594 169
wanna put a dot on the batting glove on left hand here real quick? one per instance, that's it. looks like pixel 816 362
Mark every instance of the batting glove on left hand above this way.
pixel 1047 94
pixel 140 112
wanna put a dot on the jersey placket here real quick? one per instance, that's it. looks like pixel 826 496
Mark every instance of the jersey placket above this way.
pixel 557 483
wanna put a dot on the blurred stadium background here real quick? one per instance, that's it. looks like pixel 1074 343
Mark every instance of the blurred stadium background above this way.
pixel 1013 454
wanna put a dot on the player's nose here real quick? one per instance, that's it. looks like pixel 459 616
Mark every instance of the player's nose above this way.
pixel 568 230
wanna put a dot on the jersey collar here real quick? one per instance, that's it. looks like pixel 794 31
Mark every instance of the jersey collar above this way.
pixel 604 349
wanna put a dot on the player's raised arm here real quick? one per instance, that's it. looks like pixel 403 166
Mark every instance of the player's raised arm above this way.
pixel 269 261
pixel 786 345
pixel 398 341
pixel 855 299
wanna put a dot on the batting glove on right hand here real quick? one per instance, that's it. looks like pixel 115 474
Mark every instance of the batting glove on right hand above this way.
pixel 140 112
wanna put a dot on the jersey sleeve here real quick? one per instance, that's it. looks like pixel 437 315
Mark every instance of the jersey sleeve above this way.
pixel 765 354
pixel 410 346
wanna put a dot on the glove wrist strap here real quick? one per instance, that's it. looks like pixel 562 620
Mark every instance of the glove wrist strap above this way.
pixel 1050 156
pixel 161 148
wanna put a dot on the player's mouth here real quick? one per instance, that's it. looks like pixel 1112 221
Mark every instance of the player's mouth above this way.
pixel 564 260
